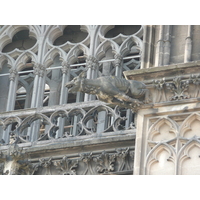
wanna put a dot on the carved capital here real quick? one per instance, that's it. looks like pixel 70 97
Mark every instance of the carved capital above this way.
pixel 91 62
pixel 42 71
pixel 13 73
pixel 39 70
pixel 118 60
pixel 66 67
pixel 36 70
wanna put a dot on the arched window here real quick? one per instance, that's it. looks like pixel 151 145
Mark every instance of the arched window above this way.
pixel 21 41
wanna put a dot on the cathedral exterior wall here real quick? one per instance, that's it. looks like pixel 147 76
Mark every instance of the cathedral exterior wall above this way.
pixel 45 129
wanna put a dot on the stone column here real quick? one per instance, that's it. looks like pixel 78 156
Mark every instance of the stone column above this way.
pixel 12 89
pixel 159 48
pixel 188 45
pixel 41 86
pixel 37 99
pixel 167 45
pixel 148 44
pixel 92 73
pixel 63 95
pixel 65 79
pixel 118 65
pixel 35 86
pixel 11 100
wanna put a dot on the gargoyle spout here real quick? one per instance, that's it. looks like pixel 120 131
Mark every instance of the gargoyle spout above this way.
pixel 111 89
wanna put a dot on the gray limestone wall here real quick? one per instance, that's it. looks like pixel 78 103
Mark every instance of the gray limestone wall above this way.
pixel 174 44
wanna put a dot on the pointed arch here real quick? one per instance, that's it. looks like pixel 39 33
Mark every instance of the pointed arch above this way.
pixel 189 157
pixel 191 126
pixel 126 46
pixel 163 129
pixel 160 160
pixel 104 46
pixel 23 58
pixel 50 56
pixel 6 58
pixel 75 51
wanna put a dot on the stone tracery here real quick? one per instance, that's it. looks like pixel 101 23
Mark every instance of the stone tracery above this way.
pixel 50 65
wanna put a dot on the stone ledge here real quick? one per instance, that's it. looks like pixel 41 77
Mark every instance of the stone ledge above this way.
pixel 163 71
pixel 76 141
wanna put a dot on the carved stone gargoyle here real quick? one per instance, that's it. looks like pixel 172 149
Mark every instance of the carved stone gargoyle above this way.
pixel 111 89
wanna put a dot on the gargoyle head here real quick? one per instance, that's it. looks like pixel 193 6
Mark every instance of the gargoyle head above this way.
pixel 75 84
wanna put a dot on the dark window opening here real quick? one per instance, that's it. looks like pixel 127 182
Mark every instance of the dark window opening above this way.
pixel 20 98
pixel 123 29
pixel 72 34
pixel 21 41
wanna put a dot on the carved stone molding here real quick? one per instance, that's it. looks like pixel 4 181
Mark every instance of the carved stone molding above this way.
pixel 46 163
pixel 91 62
pixel 118 60
pixel 66 166
pixel 122 156
pixel 87 158
pixel 13 73
pixel 178 87
pixel 39 70
pixel 65 67
pixel 105 162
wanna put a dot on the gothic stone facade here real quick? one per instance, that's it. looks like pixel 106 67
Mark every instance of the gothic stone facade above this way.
pixel 46 130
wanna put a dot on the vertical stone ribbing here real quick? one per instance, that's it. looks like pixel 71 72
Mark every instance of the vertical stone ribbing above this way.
pixel 167 45
pixel 118 65
pixel 11 100
pixel 188 45
pixel 63 96
pixel 148 47
pixel 35 85
pixel 92 66
pixel 159 48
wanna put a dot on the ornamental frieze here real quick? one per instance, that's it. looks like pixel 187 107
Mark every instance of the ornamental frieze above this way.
pixel 87 163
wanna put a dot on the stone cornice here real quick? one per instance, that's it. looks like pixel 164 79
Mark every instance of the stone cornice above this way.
pixel 164 71
pixel 77 142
